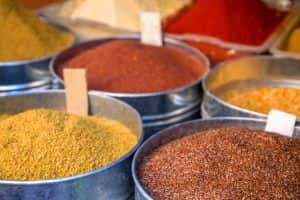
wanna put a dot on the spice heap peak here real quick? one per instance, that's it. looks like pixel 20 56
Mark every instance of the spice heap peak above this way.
pixel 128 66
pixel 24 36
pixel 46 144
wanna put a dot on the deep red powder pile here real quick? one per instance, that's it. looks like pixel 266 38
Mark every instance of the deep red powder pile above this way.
pixel 248 22
pixel 124 66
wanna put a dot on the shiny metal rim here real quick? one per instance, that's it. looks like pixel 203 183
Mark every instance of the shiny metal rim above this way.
pixel 167 39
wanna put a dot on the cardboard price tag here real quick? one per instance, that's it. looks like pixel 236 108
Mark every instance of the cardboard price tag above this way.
pixel 76 91
pixel 151 31
pixel 281 123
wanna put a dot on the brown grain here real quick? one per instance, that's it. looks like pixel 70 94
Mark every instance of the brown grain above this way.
pixel 227 163
pixel 125 66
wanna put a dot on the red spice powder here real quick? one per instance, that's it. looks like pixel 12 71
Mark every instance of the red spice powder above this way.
pixel 125 66
pixel 217 54
pixel 248 22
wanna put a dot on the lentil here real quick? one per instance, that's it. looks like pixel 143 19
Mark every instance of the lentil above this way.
pixel 24 36
pixel 45 144
pixel 265 98
pixel 225 163
pixel 131 67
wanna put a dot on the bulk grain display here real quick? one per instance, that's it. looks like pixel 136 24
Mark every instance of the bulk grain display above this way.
pixel 218 159
pixel 263 99
pixel 251 87
pixel 45 144
pixel 127 66
pixel 26 46
pixel 49 154
pixel 25 36
pixel 162 83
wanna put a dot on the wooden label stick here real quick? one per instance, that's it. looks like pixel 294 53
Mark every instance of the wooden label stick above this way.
pixel 76 91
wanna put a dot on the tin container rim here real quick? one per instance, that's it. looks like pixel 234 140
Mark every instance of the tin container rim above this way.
pixel 167 39
pixel 86 174
pixel 18 63
pixel 221 101
pixel 136 180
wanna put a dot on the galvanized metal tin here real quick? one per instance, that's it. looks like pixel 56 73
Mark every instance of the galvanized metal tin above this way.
pixel 26 74
pixel 244 73
pixel 110 182
pixel 184 129
pixel 158 106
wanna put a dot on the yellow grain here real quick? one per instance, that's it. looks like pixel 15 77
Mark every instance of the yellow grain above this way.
pixel 24 36
pixel 264 99
pixel 45 144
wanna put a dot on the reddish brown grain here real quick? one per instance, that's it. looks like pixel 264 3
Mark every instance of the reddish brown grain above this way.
pixel 228 163
pixel 131 67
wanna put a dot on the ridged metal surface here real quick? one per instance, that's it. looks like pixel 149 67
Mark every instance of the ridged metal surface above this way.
pixel 245 73
pixel 112 181
pixel 154 107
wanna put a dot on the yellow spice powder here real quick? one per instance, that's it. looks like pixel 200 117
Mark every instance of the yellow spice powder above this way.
pixel 263 99
pixel 4 116
pixel 46 144
pixel 24 36
pixel 294 41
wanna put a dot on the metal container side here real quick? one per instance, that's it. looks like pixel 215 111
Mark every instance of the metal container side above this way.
pixel 24 77
pixel 184 129
pixel 151 127
pixel 27 74
pixel 155 105
pixel 265 70
pixel 112 181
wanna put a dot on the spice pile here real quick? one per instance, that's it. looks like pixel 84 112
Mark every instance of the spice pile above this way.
pixel 24 36
pixel 45 144
pixel 294 41
pixel 263 99
pixel 131 67
pixel 227 163
pixel 217 54
pixel 238 21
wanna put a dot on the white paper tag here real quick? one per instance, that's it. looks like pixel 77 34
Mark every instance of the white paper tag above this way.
pixel 281 123
pixel 151 31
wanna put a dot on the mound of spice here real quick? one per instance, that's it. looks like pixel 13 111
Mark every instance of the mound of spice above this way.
pixel 226 163
pixel 24 36
pixel 131 67
pixel 293 43
pixel 264 99
pixel 45 144
pixel 238 21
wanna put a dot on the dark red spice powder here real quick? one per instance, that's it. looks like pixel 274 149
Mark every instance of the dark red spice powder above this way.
pixel 226 163
pixel 248 22
pixel 217 54
pixel 126 66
